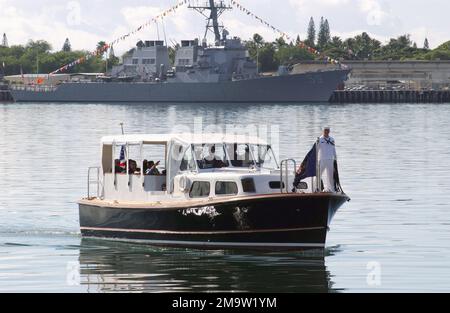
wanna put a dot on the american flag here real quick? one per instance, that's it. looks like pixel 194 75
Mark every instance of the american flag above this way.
pixel 123 161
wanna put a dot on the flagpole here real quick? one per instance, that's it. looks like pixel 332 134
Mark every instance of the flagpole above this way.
pixel 319 180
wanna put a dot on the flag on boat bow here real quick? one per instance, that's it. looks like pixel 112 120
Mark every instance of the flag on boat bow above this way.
pixel 308 168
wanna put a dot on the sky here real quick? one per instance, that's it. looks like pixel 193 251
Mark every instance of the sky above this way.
pixel 85 22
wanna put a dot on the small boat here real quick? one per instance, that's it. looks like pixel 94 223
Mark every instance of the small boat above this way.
pixel 210 191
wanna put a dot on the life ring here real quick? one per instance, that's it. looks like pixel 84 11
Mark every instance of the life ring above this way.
pixel 185 184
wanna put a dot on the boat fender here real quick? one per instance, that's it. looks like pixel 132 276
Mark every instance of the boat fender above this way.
pixel 185 184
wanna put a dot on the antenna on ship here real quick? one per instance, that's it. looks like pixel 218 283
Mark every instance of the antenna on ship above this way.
pixel 216 8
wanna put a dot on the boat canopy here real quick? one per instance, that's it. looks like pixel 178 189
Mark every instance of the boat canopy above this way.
pixel 186 138
pixel 177 146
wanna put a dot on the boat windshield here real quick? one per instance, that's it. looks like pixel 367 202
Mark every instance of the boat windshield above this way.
pixel 245 155
pixel 265 157
pixel 240 155
pixel 211 156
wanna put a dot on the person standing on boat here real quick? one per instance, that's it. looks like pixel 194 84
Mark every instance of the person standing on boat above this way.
pixel 327 158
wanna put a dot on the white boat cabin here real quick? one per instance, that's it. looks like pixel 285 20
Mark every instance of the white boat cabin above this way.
pixel 190 167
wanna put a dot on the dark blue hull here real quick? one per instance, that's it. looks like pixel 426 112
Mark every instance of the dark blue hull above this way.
pixel 275 222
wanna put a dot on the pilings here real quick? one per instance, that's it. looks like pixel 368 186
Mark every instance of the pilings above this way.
pixel 391 96
pixel 5 94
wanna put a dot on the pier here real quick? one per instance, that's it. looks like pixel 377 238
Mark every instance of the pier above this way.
pixel 391 96
pixel 5 94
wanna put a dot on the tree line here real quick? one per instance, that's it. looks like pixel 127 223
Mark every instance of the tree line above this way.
pixel 38 56
pixel 270 55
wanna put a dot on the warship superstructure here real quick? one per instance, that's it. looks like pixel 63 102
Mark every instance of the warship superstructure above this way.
pixel 219 73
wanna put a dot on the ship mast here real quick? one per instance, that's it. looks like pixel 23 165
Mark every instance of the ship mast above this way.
pixel 216 10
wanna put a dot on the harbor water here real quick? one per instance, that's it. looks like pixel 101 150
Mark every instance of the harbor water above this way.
pixel 393 236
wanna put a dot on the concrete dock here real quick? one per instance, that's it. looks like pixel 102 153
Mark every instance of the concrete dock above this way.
pixel 391 96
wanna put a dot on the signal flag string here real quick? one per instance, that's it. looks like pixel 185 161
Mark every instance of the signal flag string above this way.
pixel 171 10
pixel 283 34
pixel 105 47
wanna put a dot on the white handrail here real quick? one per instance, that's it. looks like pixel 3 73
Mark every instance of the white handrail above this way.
pixel 96 181
pixel 284 180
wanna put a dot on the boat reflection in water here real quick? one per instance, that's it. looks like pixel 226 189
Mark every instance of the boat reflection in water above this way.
pixel 107 266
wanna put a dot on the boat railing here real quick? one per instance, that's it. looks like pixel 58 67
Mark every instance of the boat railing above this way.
pixel 33 88
pixel 93 179
pixel 284 174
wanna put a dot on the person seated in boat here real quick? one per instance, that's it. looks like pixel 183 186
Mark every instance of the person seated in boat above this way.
pixel 212 161
pixel 242 156
pixel 133 170
pixel 131 167
pixel 145 166
pixel 152 169
pixel 118 168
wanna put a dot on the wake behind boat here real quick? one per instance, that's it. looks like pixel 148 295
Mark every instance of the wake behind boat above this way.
pixel 212 191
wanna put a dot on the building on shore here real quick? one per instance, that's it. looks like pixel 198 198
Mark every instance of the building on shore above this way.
pixel 405 75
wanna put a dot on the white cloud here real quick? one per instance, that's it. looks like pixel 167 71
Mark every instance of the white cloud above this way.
pixel 21 26
pixel 376 15
pixel 304 3
pixel 98 20
pixel 136 16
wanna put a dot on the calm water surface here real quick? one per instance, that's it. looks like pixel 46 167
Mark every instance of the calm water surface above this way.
pixel 393 236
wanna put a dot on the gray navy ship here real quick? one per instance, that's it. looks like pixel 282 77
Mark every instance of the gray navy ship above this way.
pixel 221 73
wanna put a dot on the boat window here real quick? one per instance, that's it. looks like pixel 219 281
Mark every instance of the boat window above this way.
pixel 265 156
pixel 127 159
pixel 154 159
pixel 200 189
pixel 226 188
pixel 188 162
pixel 240 155
pixel 134 159
pixel 276 185
pixel 248 185
pixel 211 156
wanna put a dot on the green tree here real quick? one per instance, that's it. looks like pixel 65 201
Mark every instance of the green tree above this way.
pixel 258 39
pixel 324 36
pixel 311 37
pixel 266 58
pixel 4 41
pixel 290 55
pixel 67 47
pixel 112 59
pixel 39 46
pixel 336 48
pixel 426 44
pixel 100 46
pixel 400 48
pixel 280 43
pixel 365 47
pixel 254 48
pixel 442 53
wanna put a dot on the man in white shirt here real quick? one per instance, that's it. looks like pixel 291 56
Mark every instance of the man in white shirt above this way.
pixel 327 157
